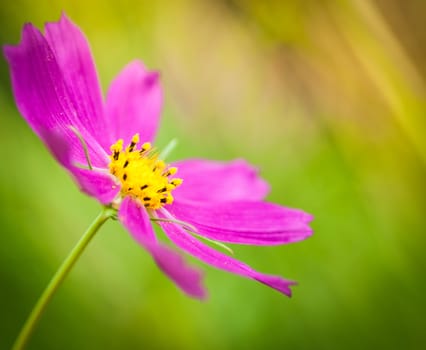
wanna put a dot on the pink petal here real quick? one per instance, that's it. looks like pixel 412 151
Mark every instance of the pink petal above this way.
pixel 133 104
pixel 244 222
pixel 42 95
pixel 136 220
pixel 75 61
pixel 221 261
pixel 98 184
pixel 205 180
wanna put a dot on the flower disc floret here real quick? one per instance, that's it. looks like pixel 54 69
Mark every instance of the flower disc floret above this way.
pixel 142 175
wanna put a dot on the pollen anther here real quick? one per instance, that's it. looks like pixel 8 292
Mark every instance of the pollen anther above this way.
pixel 142 175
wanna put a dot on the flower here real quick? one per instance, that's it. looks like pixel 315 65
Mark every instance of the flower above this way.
pixel 106 147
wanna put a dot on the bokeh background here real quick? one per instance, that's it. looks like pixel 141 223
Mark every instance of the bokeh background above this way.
pixel 327 98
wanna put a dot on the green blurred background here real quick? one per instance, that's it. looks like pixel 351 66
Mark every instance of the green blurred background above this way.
pixel 326 97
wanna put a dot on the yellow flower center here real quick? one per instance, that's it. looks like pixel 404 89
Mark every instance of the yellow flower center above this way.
pixel 142 175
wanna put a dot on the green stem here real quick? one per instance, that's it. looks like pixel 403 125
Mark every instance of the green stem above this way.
pixel 58 278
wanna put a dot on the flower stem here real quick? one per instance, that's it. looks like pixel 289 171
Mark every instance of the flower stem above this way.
pixel 59 277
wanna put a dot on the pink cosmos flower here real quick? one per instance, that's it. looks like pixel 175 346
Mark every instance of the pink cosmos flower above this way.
pixel 97 141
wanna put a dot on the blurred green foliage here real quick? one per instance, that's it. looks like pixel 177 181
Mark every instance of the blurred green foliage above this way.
pixel 326 97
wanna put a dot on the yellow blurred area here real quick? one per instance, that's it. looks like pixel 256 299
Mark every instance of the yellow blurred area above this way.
pixel 327 98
